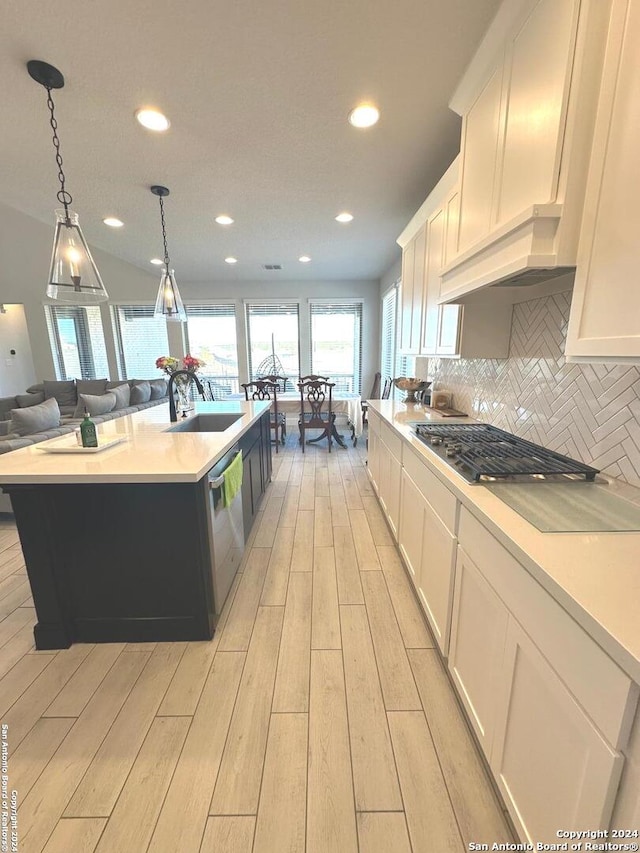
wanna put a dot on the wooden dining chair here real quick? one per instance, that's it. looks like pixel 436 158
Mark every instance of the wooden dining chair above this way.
pixel 261 390
pixel 280 381
pixel 313 377
pixel 316 411
pixel 373 395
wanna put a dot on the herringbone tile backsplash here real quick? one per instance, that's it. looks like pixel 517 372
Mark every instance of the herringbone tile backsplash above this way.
pixel 587 411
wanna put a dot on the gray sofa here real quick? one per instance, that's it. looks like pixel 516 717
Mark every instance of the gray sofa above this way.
pixel 66 394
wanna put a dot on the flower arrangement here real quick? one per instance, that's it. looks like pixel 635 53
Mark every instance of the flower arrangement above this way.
pixel 169 365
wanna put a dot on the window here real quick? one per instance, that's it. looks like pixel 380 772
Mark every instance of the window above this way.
pixel 77 341
pixel 273 336
pixel 389 334
pixel 211 333
pixel 141 339
pixel 336 343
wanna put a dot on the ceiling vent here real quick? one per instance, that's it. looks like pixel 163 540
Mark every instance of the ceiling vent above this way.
pixel 271 266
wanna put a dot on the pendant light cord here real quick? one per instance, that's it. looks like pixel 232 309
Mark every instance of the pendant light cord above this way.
pixel 63 196
pixel 164 234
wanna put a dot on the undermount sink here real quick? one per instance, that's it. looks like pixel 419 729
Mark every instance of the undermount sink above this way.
pixel 206 423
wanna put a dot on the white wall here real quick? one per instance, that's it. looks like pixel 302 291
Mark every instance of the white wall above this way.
pixel 25 247
pixel 16 363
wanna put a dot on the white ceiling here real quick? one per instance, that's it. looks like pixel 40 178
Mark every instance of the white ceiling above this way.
pixel 258 95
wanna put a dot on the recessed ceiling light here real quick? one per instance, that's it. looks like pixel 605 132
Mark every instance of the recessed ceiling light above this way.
pixel 344 217
pixel 156 261
pixel 112 222
pixel 304 259
pixel 224 220
pixel 231 260
pixel 364 115
pixel 153 119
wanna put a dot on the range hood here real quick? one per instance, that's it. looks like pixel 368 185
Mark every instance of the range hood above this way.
pixel 528 250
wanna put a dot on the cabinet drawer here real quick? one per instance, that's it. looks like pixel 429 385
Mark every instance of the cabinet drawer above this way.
pixel 441 499
pixel 599 685
pixel 392 440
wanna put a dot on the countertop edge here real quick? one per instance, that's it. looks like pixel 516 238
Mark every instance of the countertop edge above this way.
pixel 157 424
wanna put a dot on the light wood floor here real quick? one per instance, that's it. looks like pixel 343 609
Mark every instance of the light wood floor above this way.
pixel 318 719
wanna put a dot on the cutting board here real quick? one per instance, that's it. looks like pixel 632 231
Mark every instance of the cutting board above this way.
pixel 448 413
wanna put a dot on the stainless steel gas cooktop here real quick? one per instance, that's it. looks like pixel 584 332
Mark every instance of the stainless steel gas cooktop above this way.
pixel 484 453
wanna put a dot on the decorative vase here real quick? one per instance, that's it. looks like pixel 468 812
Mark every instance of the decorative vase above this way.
pixel 184 402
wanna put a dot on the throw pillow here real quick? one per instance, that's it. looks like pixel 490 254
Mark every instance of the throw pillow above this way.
pixel 64 392
pixel 140 393
pixel 33 389
pixel 122 394
pixel 158 389
pixel 97 387
pixel 26 400
pixel 95 405
pixel 35 419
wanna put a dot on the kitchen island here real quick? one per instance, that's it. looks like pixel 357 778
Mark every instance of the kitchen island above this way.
pixel 119 545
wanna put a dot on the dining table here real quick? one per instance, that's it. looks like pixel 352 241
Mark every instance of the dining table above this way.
pixel 341 403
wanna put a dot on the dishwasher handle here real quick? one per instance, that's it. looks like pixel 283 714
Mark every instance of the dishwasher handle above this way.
pixel 218 482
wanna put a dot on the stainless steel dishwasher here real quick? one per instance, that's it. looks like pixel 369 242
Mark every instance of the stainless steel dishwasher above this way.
pixel 227 531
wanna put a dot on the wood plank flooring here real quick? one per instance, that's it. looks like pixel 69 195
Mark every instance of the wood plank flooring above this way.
pixel 319 719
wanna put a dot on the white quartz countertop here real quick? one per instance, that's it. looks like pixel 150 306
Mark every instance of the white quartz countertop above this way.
pixel 148 454
pixel 594 576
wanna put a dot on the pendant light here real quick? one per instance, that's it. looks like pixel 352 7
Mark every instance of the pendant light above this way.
pixel 169 302
pixel 73 275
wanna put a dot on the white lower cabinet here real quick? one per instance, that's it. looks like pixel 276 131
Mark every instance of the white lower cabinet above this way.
pixel 390 470
pixel 550 709
pixel 373 455
pixel 478 634
pixel 554 769
pixel 429 550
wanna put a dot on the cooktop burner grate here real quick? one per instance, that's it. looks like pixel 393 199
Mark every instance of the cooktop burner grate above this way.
pixel 481 450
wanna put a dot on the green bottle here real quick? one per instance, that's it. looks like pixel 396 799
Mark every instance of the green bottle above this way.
pixel 88 431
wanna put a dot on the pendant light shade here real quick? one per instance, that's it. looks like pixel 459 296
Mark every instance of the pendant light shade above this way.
pixel 169 303
pixel 73 275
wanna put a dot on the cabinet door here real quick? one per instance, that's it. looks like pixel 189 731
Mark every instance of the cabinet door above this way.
pixel 552 766
pixel 413 272
pixel 410 528
pixel 539 63
pixel 478 633
pixel 406 295
pixel 433 264
pixel 389 486
pixel 429 551
pixel 373 457
pixel 449 330
pixel 605 309
pixel 437 569
pixel 480 153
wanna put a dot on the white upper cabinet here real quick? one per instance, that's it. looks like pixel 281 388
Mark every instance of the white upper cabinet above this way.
pixel 427 327
pixel 605 311
pixel 528 105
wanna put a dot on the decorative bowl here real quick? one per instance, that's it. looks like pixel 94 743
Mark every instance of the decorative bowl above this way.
pixel 412 386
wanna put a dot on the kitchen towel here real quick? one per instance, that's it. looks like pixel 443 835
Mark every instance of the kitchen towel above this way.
pixel 232 480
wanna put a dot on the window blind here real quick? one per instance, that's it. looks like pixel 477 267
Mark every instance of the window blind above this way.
pixel 389 326
pixel 336 343
pixel 211 337
pixel 141 339
pixel 77 341
pixel 273 332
